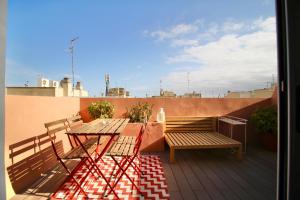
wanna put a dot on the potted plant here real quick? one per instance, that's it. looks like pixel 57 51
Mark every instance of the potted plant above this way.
pixel 139 112
pixel 102 109
pixel 265 122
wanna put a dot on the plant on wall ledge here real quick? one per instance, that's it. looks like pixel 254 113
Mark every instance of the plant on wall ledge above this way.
pixel 101 109
pixel 265 122
pixel 139 112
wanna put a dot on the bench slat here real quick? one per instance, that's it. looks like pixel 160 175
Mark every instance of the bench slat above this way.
pixel 195 139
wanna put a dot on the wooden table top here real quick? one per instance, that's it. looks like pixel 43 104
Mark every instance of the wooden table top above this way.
pixel 101 127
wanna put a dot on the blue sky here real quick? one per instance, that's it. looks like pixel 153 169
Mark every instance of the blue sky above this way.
pixel 224 45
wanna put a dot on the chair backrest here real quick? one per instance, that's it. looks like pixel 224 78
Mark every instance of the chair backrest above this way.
pixel 75 121
pixel 53 128
pixel 139 138
pixel 56 126
pixel 190 124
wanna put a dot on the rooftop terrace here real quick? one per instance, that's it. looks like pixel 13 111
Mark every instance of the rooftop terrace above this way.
pixel 198 174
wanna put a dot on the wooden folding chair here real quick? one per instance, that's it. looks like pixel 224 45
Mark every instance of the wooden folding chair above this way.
pixel 76 153
pixel 126 147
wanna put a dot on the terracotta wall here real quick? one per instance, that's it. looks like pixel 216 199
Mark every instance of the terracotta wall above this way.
pixel 25 117
pixel 153 138
pixel 242 107
pixel 275 96
pixel 175 106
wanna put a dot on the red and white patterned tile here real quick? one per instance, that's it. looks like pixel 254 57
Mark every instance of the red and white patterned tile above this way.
pixel 152 182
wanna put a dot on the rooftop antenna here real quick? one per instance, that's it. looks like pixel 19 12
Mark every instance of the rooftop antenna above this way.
pixel 160 87
pixel 106 84
pixel 188 81
pixel 71 49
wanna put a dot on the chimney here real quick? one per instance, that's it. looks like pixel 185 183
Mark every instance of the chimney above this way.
pixel 67 86
pixel 79 86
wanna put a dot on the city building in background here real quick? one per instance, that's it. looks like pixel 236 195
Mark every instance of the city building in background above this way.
pixel 166 93
pixel 46 87
pixel 259 93
pixel 194 94
pixel 117 92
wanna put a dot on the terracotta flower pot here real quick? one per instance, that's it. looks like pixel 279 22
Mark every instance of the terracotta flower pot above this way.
pixel 269 141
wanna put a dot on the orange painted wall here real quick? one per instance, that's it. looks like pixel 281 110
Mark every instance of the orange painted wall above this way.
pixel 153 138
pixel 275 96
pixel 175 106
pixel 242 107
pixel 25 117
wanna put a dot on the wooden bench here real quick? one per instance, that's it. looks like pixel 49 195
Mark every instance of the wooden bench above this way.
pixel 31 158
pixel 196 133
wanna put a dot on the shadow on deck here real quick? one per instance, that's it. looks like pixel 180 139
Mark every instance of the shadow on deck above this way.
pixel 198 174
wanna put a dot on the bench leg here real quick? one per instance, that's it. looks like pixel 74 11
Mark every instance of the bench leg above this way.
pixel 239 153
pixel 172 155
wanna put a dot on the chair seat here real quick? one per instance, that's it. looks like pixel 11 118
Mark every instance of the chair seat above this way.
pixel 90 145
pixel 124 146
pixel 126 139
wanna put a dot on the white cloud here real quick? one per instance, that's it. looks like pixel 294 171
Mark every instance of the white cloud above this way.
pixel 184 42
pixel 183 29
pixel 230 26
pixel 239 61
pixel 173 32
pixel 268 24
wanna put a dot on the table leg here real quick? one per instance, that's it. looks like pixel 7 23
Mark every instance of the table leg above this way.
pixel 124 173
pixel 105 148
pixel 95 164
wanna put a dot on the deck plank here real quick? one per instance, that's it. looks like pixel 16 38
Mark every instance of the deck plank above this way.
pixel 184 187
pixel 197 168
pixel 195 184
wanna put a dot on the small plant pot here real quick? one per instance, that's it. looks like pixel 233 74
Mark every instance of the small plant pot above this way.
pixel 269 141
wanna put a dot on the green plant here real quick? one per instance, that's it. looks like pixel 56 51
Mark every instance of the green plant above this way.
pixel 138 112
pixel 265 120
pixel 101 109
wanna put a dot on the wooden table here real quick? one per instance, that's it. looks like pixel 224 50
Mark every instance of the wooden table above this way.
pixel 234 121
pixel 99 127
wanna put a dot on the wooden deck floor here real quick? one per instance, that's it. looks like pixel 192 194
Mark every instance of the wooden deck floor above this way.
pixel 217 175
pixel 200 174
